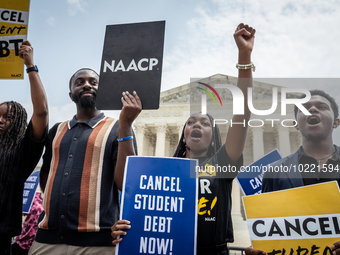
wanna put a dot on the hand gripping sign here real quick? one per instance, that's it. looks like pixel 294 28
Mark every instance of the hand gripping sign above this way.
pixel 160 200
pixel 299 221
pixel 13 31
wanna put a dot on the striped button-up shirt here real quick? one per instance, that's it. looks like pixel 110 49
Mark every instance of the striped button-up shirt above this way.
pixel 81 198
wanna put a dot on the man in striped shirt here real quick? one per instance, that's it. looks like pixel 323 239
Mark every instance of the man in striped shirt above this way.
pixel 83 169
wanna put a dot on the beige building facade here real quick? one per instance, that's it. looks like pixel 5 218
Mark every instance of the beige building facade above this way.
pixel 158 131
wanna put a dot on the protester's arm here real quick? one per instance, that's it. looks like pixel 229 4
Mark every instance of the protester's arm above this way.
pixel 45 168
pixel 47 157
pixel 236 137
pixel 38 95
pixel 117 230
pixel 43 180
pixel 251 251
pixel 132 106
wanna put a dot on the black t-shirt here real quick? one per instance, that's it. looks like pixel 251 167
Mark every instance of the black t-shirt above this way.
pixel 313 173
pixel 214 199
pixel 29 154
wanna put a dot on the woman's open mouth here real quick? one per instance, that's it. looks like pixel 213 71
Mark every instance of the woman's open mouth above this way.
pixel 196 135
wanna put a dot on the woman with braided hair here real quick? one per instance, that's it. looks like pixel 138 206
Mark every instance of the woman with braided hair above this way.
pixel 200 139
pixel 21 146
pixel 10 137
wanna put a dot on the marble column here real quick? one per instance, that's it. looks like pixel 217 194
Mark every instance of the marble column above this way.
pixel 167 143
pixel 236 199
pixel 152 142
pixel 179 130
pixel 283 140
pixel 146 148
pixel 160 140
pixel 139 129
pixel 258 145
pixel 173 144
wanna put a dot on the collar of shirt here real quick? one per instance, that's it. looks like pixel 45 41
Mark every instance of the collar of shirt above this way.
pixel 92 123
pixel 303 156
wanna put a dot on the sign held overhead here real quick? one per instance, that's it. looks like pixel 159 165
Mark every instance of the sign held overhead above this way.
pixel 132 61
pixel 14 16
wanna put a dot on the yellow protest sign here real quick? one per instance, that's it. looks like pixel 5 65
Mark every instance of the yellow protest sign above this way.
pixel 300 221
pixel 13 31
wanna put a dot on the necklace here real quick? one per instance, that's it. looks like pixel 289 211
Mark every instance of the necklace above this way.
pixel 319 160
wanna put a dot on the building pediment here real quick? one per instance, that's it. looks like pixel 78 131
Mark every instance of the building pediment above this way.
pixel 188 93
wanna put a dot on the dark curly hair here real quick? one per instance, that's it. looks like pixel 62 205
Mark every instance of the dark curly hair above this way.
pixel 322 93
pixel 10 142
pixel 216 138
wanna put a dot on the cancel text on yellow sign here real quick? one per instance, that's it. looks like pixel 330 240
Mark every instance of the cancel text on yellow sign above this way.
pixel 13 31
pixel 300 221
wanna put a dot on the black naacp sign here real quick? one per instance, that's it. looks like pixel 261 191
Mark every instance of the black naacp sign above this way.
pixel 132 61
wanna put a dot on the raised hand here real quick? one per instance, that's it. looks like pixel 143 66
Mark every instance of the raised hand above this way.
pixel 26 53
pixel 132 106
pixel 244 37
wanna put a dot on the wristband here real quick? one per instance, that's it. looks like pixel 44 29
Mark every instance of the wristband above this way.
pixel 31 69
pixel 246 67
pixel 125 138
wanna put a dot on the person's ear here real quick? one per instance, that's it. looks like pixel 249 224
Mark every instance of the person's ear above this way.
pixel 70 95
pixel 336 122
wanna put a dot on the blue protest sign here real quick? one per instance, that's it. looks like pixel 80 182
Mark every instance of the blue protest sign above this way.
pixel 250 177
pixel 160 200
pixel 30 188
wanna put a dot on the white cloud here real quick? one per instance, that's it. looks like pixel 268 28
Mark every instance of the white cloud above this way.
pixel 293 39
pixel 51 21
pixel 75 6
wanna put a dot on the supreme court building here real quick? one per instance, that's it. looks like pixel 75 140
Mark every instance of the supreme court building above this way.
pixel 158 131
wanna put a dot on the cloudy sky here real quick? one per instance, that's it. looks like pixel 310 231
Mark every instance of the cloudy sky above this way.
pixel 294 39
